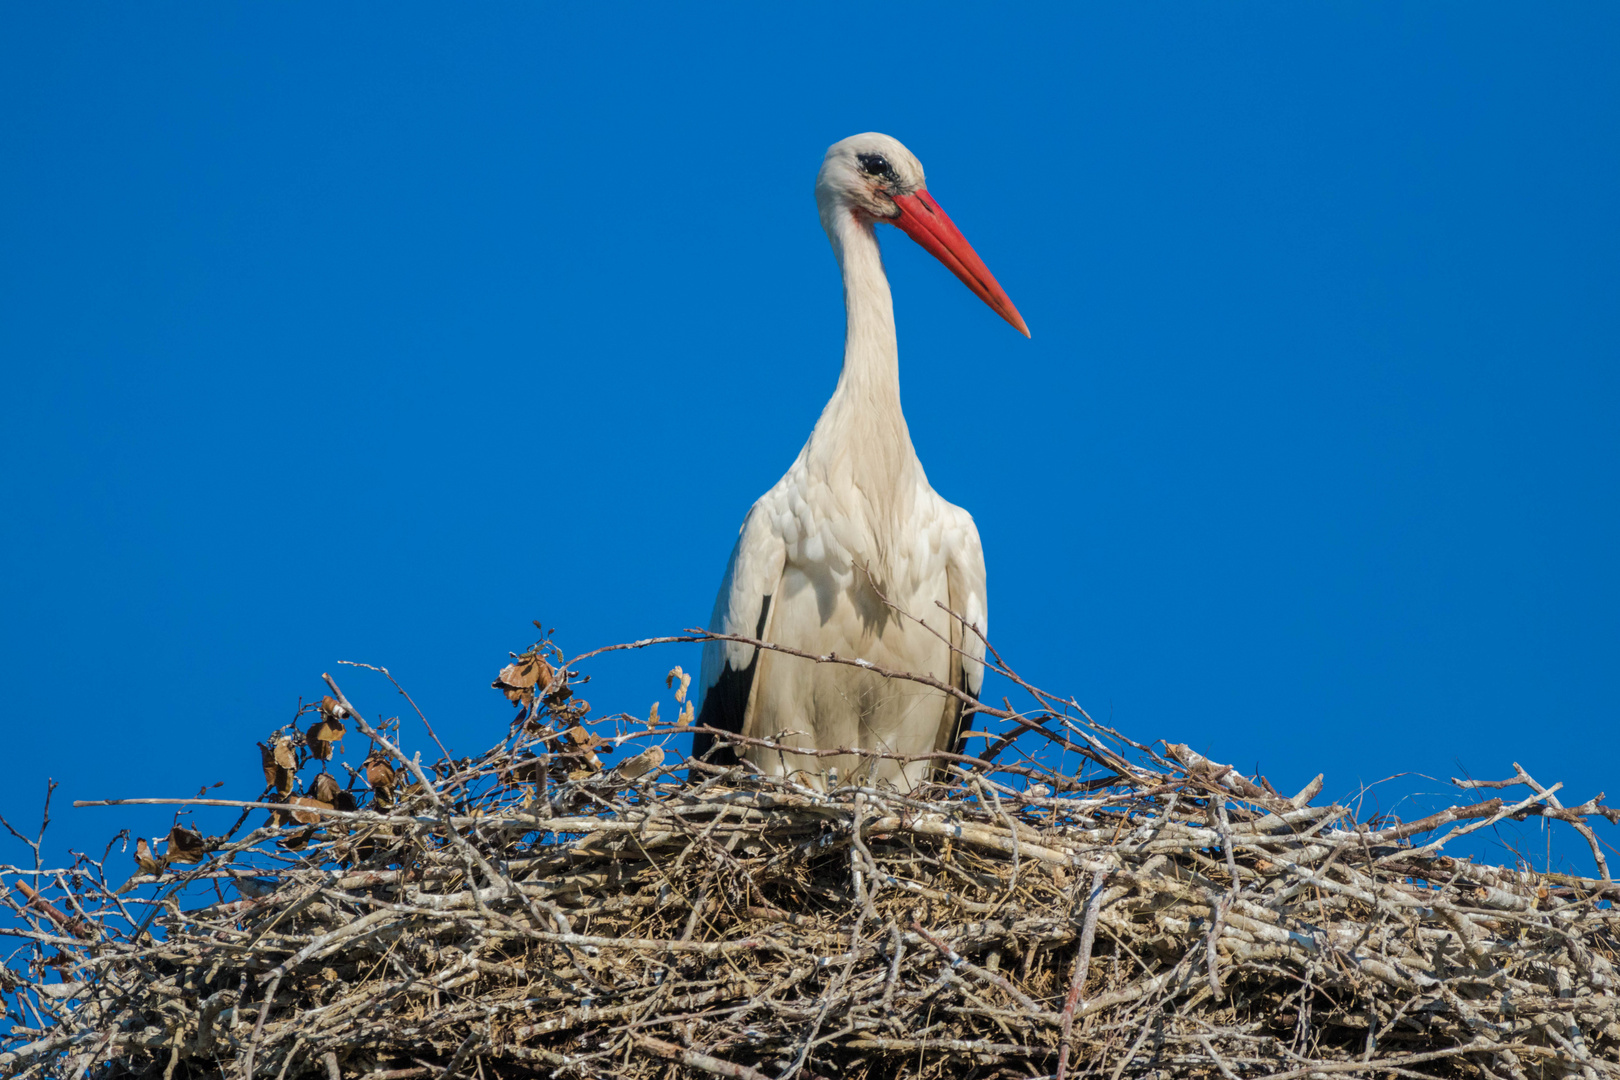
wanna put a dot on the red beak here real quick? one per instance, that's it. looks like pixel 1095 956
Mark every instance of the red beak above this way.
pixel 925 222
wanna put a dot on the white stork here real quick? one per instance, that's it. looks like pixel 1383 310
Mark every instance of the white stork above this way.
pixel 853 539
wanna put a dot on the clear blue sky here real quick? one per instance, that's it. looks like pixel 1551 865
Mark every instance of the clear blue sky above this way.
pixel 373 332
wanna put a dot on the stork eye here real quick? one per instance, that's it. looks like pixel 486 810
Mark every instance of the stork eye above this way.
pixel 875 165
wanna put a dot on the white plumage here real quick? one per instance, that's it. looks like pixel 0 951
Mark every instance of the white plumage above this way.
pixel 853 539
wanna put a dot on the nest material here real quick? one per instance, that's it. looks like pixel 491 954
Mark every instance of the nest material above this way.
pixel 526 913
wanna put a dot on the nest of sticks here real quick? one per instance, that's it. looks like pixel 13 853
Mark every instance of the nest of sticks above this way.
pixel 1066 902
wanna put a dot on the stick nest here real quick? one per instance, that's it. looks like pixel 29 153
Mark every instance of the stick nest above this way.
pixel 533 911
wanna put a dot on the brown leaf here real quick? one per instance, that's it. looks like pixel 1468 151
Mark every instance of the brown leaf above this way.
pixel 380 774
pixel 272 771
pixel 585 740
pixel 585 744
pixel 147 862
pixel 308 817
pixel 279 764
pixel 297 840
pixel 284 755
pixel 524 771
pixel 185 846
pixel 326 789
pixel 523 678
pixel 322 734
pixel 328 729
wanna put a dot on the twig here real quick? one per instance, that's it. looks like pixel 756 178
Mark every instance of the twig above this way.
pixel 1082 964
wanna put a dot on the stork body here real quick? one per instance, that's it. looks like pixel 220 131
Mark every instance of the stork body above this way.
pixel 852 551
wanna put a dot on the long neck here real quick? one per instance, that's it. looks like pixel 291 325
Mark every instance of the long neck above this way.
pixel 871 353
pixel 865 406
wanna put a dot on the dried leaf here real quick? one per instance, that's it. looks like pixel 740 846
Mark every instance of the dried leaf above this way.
pixel 524 771
pixel 308 817
pixel 332 709
pixel 324 732
pixel 642 763
pixel 686 682
pixel 584 739
pixel 586 744
pixel 185 845
pixel 284 754
pixel 325 788
pixel 147 861
pixel 327 730
pixel 274 775
pixel 380 775
pixel 297 840
pixel 279 764
pixel 523 678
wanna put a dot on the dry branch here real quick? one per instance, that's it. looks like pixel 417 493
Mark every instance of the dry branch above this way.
pixel 526 913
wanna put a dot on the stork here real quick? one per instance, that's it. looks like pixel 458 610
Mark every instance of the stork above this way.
pixel 852 551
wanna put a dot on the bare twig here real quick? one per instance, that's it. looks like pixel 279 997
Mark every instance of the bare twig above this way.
pixel 524 913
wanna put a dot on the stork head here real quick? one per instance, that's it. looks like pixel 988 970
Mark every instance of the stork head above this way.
pixel 875 180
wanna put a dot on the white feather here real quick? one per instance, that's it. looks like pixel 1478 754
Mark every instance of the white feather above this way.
pixel 853 518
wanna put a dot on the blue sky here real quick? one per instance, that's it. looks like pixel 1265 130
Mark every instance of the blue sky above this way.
pixel 345 332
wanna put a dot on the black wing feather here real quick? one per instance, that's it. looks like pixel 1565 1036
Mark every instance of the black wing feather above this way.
pixel 725 704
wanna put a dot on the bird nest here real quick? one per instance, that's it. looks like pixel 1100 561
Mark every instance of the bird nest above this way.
pixel 1066 902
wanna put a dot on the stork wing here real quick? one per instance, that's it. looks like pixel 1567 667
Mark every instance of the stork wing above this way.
pixel 964 576
pixel 743 607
